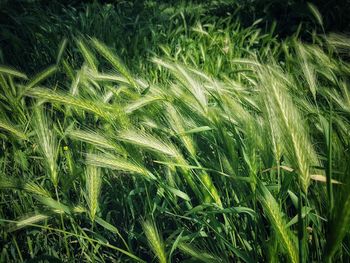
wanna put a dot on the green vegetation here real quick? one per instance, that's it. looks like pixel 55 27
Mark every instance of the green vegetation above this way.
pixel 194 137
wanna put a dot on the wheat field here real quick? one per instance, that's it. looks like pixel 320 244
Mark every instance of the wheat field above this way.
pixel 214 142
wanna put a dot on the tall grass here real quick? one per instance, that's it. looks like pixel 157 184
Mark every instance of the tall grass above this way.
pixel 229 145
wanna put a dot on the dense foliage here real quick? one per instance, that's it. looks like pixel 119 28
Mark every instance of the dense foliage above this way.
pixel 196 137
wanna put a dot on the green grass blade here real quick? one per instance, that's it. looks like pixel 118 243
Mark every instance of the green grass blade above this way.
pixel 12 72
pixel 41 77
